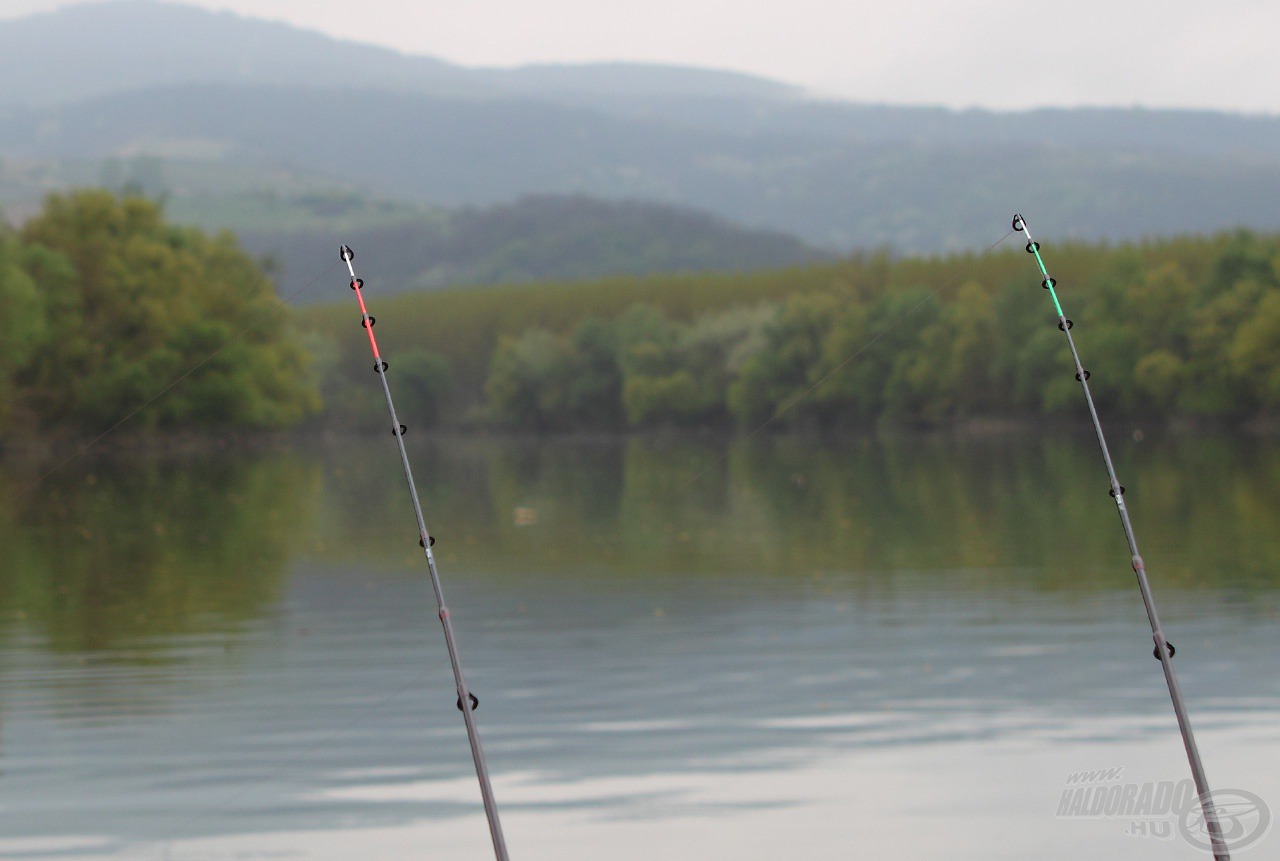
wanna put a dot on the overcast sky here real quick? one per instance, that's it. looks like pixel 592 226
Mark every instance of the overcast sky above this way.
pixel 960 53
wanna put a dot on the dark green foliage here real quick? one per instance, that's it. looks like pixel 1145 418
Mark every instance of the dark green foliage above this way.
pixel 1185 328
pixel 593 391
pixel 639 369
pixel 422 383
pixel 22 316
pixel 106 306
pixel 529 381
pixel 779 374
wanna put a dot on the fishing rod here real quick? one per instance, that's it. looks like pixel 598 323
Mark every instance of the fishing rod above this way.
pixel 426 541
pixel 1164 650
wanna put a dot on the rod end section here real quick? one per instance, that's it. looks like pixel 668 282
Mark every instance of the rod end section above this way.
pixel 1018 223
pixel 345 252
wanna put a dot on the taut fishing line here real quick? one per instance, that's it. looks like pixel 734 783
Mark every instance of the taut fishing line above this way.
pixel 1164 650
pixel 467 701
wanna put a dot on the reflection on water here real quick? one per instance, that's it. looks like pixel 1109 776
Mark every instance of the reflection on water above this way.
pixel 1203 507
pixel 676 644
pixel 132 549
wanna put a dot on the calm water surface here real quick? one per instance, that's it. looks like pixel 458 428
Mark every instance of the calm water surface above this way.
pixel 682 649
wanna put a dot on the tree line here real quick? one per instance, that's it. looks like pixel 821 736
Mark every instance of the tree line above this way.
pixel 1185 328
pixel 104 306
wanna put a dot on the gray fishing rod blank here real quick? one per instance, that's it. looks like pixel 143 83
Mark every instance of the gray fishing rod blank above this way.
pixel 1164 650
pixel 426 541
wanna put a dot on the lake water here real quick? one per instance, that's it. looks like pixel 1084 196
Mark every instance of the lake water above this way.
pixel 683 649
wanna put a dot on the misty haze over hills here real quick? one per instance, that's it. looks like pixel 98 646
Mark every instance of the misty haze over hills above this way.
pixel 204 93
pixel 89 50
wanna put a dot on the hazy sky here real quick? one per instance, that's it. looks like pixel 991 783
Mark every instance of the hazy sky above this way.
pixel 961 53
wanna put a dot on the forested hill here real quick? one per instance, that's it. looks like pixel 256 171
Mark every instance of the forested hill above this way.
pixel 915 196
pixel 535 239
pixel 95 82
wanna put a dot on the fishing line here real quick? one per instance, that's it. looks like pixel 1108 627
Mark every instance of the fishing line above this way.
pixel 1164 650
pixel 467 701
pixel 235 337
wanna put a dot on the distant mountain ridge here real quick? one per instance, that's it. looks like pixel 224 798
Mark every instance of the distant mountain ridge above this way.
pixel 230 90
pixel 531 240
pixel 91 50
pixel 837 194
pixel 87 51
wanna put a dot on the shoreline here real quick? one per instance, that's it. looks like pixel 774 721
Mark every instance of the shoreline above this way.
pixel 68 447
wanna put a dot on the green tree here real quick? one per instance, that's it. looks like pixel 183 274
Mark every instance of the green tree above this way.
pixel 777 379
pixel 1255 350
pixel 1185 327
pixel 421 382
pixel 949 373
pixel 134 304
pixel 683 374
pixel 23 321
pixel 653 398
pixel 1159 375
pixel 1214 387
pixel 873 360
pixel 529 380
pixel 594 395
